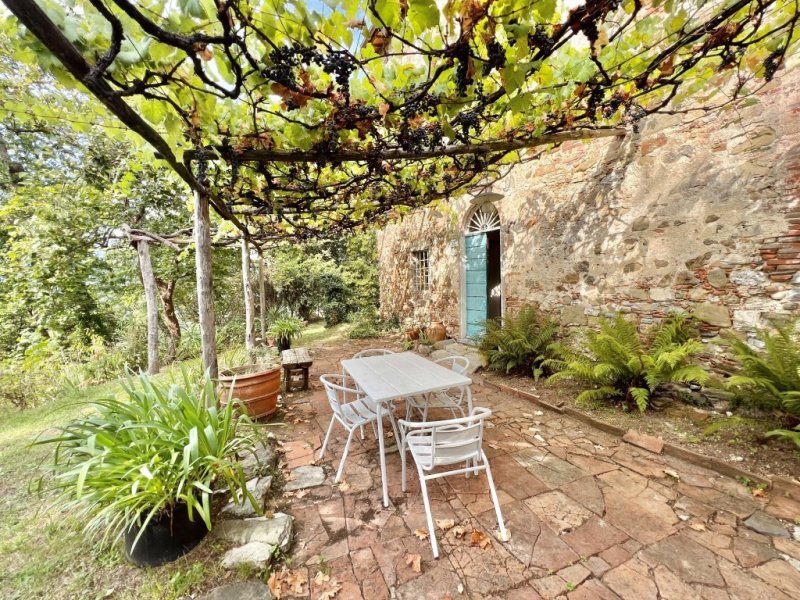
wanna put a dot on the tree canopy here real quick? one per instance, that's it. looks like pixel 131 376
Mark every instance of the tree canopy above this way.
pixel 308 116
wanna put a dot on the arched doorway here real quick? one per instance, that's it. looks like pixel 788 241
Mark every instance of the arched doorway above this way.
pixel 482 296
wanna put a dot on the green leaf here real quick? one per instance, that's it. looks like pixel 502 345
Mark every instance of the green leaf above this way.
pixel 423 14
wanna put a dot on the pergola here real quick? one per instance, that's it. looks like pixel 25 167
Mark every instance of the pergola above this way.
pixel 293 122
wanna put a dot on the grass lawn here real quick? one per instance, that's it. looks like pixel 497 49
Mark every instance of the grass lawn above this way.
pixel 43 553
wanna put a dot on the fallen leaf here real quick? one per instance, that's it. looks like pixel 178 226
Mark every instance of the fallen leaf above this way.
pixel 759 493
pixel 478 538
pixel 459 531
pixel 334 589
pixel 344 486
pixel 287 582
pixel 415 562
pixel 321 577
pixel 671 473
pixel 421 533
pixel 445 524
pixel 300 493
pixel 698 526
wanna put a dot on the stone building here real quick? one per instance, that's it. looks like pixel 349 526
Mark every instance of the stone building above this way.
pixel 697 212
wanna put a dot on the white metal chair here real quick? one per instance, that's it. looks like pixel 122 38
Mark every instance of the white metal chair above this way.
pixel 353 409
pixel 443 443
pixel 453 400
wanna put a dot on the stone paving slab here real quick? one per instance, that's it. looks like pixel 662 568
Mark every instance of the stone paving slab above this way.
pixel 591 517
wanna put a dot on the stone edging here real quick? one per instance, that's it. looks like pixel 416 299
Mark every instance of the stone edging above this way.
pixel 782 484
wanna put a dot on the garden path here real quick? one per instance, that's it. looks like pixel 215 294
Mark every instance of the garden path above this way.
pixel 590 516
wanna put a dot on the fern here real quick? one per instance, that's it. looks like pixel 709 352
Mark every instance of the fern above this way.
pixel 624 366
pixel 769 379
pixel 519 343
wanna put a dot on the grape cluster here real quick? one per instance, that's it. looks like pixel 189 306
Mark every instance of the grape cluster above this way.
pixel 340 65
pixel 541 40
pixel 421 138
pixel 610 107
pixel 427 104
pixel 463 77
pixel 496 57
pixel 469 119
pixel 771 64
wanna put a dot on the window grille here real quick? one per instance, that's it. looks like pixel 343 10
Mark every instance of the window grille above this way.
pixel 421 270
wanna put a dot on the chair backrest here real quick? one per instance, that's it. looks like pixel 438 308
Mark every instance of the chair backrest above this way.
pixel 453 440
pixel 459 364
pixel 372 352
pixel 336 390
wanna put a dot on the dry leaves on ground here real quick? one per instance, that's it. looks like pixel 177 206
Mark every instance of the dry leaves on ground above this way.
pixel 284 582
pixel 321 577
pixel 445 524
pixel 415 562
pixel 478 538
pixel 759 493
pixel 421 533
pixel 698 526
pixel 459 531
pixel 331 592
pixel 344 486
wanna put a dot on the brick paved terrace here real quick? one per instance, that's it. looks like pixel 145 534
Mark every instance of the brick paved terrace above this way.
pixel 590 516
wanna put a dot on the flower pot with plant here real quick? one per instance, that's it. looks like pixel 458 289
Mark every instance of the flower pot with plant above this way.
pixel 285 330
pixel 144 467
pixel 256 386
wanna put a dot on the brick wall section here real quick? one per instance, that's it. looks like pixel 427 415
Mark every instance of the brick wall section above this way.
pixel 695 213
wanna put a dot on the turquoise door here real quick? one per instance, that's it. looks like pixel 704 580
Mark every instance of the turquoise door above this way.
pixel 476 257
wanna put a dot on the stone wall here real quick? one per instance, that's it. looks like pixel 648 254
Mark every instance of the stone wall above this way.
pixel 696 212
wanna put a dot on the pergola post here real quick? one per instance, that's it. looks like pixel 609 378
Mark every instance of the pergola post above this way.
pixel 205 299
pixel 151 298
pixel 249 308
pixel 262 299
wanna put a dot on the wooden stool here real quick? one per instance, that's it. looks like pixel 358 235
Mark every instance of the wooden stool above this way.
pixel 295 361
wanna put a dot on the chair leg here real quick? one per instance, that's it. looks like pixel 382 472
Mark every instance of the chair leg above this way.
pixel 344 455
pixel 428 516
pixel 327 438
pixel 500 523
pixel 403 485
pixel 394 429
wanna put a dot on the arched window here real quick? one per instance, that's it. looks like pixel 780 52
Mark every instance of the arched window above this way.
pixel 484 218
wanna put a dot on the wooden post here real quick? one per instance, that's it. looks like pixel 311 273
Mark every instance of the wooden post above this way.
pixel 262 299
pixel 249 309
pixel 205 299
pixel 150 294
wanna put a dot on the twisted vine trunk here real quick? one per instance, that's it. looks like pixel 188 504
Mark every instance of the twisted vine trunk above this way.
pixel 166 289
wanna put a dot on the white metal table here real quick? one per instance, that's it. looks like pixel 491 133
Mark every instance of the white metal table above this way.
pixel 392 376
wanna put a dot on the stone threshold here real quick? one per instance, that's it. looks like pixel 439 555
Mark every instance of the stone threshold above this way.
pixel 780 484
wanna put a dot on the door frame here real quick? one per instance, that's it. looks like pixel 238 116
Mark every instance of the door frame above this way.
pixel 475 204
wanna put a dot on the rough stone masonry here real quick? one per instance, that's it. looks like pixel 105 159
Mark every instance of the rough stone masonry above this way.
pixel 697 212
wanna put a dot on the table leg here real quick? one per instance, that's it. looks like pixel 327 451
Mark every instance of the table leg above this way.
pixel 381 452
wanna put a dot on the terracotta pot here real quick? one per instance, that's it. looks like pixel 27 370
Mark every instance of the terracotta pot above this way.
pixel 437 332
pixel 257 390
pixel 412 334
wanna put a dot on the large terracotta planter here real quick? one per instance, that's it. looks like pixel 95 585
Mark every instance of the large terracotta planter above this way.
pixel 437 332
pixel 256 389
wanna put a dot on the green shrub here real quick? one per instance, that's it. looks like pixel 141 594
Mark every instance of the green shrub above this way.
pixel 519 343
pixel 367 324
pixel 627 367
pixel 769 379
pixel 142 456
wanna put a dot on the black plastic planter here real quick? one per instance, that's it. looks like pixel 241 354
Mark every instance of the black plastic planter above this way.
pixel 165 539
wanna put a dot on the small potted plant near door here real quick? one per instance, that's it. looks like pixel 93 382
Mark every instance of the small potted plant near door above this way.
pixel 285 330
pixel 143 468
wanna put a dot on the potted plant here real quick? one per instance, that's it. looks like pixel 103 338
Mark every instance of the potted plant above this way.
pixel 285 330
pixel 144 468
pixel 256 386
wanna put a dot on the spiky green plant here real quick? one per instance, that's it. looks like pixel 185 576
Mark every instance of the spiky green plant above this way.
pixel 133 459
pixel 519 343
pixel 627 367
pixel 769 379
